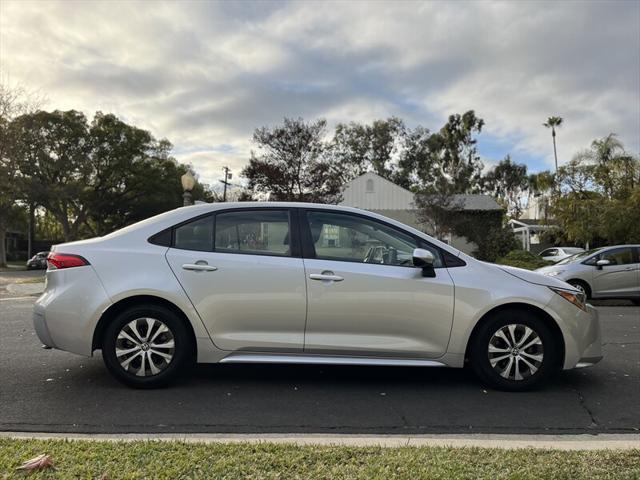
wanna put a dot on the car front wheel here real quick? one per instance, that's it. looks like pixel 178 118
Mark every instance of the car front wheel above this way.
pixel 514 350
pixel 147 346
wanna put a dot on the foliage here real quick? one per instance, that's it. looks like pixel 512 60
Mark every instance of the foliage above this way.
pixel 508 182
pixel 292 163
pixel 522 259
pixel 14 101
pixel 359 148
pixel 93 178
pixel 599 195
pixel 170 460
pixel 446 161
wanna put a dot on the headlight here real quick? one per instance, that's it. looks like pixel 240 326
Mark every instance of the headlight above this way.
pixel 577 298
pixel 554 273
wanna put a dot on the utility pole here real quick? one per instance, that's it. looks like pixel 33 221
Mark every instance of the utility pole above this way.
pixel 227 177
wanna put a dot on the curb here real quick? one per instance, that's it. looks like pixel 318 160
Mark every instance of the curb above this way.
pixel 547 442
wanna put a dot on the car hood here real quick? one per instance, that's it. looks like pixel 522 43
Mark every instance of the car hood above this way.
pixel 535 277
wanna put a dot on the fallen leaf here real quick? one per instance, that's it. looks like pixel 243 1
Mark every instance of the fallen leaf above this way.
pixel 37 463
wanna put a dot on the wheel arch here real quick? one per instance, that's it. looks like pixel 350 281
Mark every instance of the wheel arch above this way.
pixel 589 291
pixel 121 305
pixel 549 321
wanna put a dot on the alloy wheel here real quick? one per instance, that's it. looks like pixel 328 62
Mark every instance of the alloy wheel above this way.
pixel 515 352
pixel 145 347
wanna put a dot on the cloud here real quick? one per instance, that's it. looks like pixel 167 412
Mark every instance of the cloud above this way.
pixel 206 74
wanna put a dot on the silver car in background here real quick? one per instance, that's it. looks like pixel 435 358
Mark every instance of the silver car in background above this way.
pixel 608 272
pixel 304 283
pixel 555 254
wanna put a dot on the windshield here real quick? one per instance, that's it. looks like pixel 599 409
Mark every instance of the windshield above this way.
pixel 578 257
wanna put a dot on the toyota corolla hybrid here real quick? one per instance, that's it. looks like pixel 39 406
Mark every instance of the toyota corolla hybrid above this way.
pixel 304 283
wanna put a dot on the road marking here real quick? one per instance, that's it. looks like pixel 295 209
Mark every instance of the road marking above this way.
pixel 502 441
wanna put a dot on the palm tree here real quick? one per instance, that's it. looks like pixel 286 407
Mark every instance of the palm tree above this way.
pixel 552 123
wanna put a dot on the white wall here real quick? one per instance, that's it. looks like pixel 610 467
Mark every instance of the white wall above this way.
pixel 384 195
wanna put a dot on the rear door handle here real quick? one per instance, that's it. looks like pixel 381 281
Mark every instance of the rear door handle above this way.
pixel 196 267
pixel 327 277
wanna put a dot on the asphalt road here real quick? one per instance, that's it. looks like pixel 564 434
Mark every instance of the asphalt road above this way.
pixel 52 391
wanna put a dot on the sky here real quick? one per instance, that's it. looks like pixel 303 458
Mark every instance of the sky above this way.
pixel 206 74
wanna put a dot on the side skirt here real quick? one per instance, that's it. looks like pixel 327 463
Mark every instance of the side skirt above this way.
pixel 327 360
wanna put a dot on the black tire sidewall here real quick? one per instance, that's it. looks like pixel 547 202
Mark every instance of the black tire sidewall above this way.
pixel 479 359
pixel 183 353
pixel 584 285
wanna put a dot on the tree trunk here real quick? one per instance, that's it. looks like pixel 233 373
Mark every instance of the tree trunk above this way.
pixel 3 250
pixel 555 153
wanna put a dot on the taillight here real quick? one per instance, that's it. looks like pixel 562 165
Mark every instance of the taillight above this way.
pixel 58 261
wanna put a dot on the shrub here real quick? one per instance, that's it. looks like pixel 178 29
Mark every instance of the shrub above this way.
pixel 522 259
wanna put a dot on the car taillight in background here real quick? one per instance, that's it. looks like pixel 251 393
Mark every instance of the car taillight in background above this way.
pixel 58 261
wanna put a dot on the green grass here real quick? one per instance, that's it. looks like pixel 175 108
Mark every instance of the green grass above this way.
pixel 173 460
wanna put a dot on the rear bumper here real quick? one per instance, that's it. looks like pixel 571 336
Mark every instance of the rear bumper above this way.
pixel 40 326
pixel 65 315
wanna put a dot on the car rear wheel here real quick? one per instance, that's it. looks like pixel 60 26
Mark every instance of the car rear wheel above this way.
pixel 514 350
pixel 147 346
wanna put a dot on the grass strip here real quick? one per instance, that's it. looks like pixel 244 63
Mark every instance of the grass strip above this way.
pixel 176 460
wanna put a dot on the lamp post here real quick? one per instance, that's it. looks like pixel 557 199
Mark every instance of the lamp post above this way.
pixel 188 182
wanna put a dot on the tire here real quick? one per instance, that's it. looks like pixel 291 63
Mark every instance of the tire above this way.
pixel 493 371
pixel 582 286
pixel 636 301
pixel 166 352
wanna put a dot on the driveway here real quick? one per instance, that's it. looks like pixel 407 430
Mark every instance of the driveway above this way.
pixel 52 391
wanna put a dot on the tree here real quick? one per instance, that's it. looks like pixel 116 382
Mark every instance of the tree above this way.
pixel 361 148
pixel 14 101
pixel 98 177
pixel 600 195
pixel 553 123
pixel 447 161
pixel 292 165
pixel 51 151
pixel 508 182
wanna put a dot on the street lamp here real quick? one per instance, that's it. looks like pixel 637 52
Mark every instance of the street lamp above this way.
pixel 188 182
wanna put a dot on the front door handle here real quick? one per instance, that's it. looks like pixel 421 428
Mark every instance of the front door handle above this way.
pixel 197 267
pixel 326 276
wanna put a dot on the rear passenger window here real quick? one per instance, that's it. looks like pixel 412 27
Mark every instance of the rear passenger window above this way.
pixel 264 232
pixel 195 235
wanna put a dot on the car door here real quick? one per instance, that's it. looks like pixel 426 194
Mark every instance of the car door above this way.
pixel 246 281
pixel 619 277
pixel 365 297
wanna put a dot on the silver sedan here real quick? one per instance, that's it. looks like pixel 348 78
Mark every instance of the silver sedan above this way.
pixel 609 272
pixel 304 283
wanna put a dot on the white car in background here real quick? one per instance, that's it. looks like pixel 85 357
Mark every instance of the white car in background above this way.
pixel 304 283
pixel 555 254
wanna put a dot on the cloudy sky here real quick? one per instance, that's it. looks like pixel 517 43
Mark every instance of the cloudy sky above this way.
pixel 206 74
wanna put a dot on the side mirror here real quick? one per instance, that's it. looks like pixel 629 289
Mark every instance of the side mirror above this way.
pixel 602 263
pixel 424 259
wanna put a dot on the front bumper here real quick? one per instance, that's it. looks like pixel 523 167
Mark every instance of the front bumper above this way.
pixel 581 332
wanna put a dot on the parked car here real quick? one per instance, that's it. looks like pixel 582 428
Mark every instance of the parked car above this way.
pixel 610 272
pixel 38 261
pixel 555 254
pixel 304 283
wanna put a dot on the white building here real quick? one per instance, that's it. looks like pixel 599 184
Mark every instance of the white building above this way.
pixel 377 194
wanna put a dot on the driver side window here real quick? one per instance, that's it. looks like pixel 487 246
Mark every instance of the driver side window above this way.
pixel 350 238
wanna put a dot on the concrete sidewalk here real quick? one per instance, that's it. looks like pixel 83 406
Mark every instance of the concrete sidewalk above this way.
pixel 546 442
